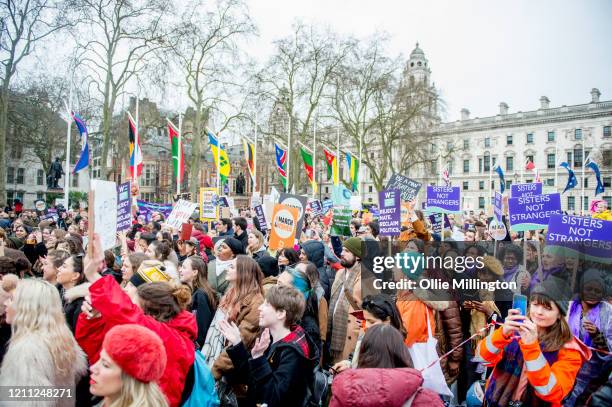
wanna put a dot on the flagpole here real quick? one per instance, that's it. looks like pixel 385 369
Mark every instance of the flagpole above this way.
pixel 583 177
pixel 338 155
pixel 440 165
pixel 556 173
pixel 314 157
pixel 288 156
pixel 136 143
pixel 218 164
pixel 180 155
pixel 69 124
pixel 359 166
pixel 255 155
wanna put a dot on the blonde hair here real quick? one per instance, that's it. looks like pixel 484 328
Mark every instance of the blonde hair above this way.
pixel 38 309
pixel 260 238
pixel 135 393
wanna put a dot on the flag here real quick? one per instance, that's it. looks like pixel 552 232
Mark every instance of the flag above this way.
pixel 529 165
pixel 249 153
pixel 353 166
pixel 135 151
pixel 446 177
pixel 599 189
pixel 223 166
pixel 309 166
pixel 332 165
pixel 281 163
pixel 83 161
pixel 502 181
pixel 176 149
pixel 571 180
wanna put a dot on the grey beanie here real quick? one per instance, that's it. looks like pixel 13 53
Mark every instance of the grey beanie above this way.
pixel 557 290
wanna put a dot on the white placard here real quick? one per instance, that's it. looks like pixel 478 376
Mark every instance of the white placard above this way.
pixel 105 212
pixel 356 203
pixel 180 213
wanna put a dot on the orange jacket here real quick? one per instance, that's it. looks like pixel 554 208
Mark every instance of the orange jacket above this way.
pixel 414 320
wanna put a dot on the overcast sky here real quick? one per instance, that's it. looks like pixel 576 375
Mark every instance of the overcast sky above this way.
pixel 481 52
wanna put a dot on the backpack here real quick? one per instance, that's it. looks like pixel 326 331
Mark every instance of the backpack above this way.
pixel 318 388
pixel 203 393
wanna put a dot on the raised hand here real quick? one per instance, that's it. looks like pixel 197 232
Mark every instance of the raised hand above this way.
pixel 261 344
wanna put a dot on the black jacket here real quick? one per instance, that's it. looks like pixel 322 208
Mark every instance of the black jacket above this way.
pixel 244 239
pixel 315 251
pixel 281 376
pixel 204 314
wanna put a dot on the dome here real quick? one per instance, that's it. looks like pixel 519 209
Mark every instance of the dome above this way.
pixel 417 52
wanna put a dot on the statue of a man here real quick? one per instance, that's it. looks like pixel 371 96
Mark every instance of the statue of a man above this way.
pixel 240 184
pixel 55 173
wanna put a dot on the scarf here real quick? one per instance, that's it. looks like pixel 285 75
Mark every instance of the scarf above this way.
pixel 221 266
pixel 556 271
pixel 575 320
pixel 510 273
pixel 339 308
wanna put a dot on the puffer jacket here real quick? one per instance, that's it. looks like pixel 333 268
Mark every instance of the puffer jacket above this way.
pixel 449 335
pixel 315 251
pixel 382 388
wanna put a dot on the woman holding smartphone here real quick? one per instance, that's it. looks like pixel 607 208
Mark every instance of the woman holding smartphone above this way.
pixel 536 357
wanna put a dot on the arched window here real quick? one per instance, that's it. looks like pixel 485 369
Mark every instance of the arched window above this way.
pixel 419 63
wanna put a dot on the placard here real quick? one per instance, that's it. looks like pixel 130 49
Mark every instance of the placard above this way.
pixel 327 205
pixel 390 212
pixel 341 196
pixel 589 236
pixel 124 211
pixel 283 227
pixel 533 212
pixel 316 207
pixel 497 230
pixel 298 202
pixel 522 190
pixel 181 213
pixel 105 212
pixel 436 220
pixel 443 199
pixel 355 203
pixel 341 222
pixel 408 187
pixel 209 210
pixel 498 206
pixel 146 209
pixel 261 217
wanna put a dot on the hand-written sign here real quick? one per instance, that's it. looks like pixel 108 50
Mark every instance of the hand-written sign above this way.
pixel 209 210
pixel 181 213
pixel 105 211
pixel 409 188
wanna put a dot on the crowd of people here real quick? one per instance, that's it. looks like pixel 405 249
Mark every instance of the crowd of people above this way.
pixel 218 318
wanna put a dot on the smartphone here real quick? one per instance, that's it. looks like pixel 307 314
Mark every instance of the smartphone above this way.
pixel 519 302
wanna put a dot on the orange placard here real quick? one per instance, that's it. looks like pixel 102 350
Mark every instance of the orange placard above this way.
pixel 283 227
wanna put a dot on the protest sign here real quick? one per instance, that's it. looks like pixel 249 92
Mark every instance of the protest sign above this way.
pixel 341 196
pixel 124 211
pixel 225 212
pixel 261 217
pixel 40 206
pixel 366 218
pixel 406 209
pixel 256 199
pixel 223 202
pixel 298 202
pixel 342 222
pixel 274 195
pixel 443 199
pixel 521 190
pixel 209 210
pixel 409 188
pixel 533 212
pixel 589 236
pixel 375 211
pixel 327 205
pixel 283 227
pixel 497 230
pixel 390 212
pixel 147 209
pixel 436 222
pixel 355 203
pixel 181 213
pixel 316 207
pixel 105 211
pixel 498 206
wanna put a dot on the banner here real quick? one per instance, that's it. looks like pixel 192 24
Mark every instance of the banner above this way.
pixel 589 236
pixel 409 188
pixel 261 217
pixel 181 213
pixel 341 196
pixel 443 199
pixel 105 211
pixel 390 212
pixel 533 212
pixel 124 211
pixel 209 210
pixel 521 190
pixel 146 209
pixel 498 203
pixel 298 202
pixel 342 222
pixel 284 227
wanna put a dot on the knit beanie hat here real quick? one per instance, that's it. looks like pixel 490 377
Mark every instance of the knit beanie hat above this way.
pixel 138 351
pixel 235 245
pixel 353 245
pixel 557 290
pixel 150 271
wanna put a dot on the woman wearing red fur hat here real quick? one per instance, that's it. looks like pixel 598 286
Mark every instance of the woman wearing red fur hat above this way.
pixel 131 362
pixel 159 306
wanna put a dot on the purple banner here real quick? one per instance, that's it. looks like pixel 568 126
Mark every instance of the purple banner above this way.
pixel 443 199
pixel 590 236
pixel 124 213
pixel 533 212
pixel 498 206
pixel 389 213
pixel 146 209
pixel 521 190
pixel 259 212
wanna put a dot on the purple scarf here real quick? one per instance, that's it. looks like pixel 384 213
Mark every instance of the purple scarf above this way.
pixel 509 273
pixel 545 274
pixel 575 320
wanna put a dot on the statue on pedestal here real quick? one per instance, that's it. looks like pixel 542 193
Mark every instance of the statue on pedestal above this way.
pixel 240 184
pixel 55 173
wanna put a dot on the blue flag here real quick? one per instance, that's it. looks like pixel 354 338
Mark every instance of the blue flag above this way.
pixel 592 165
pixel 502 181
pixel 84 158
pixel 571 180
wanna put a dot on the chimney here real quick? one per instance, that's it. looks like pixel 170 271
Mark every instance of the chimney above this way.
pixel 465 114
pixel 544 102
pixel 503 108
pixel 595 94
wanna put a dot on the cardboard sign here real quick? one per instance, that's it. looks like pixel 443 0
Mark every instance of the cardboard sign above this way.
pixel 124 212
pixel 261 217
pixel 342 222
pixel 256 199
pixel 181 213
pixel 498 206
pixel 283 227
pixel 533 212
pixel 209 210
pixel 147 209
pixel 443 199
pixel 522 190
pixel 105 211
pixel 390 212
pixel 409 188
pixel 298 202
pixel 592 237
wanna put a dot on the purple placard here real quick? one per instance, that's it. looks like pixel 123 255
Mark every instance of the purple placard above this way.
pixel 316 207
pixel 443 199
pixel 146 209
pixel 521 190
pixel 124 212
pixel 436 222
pixel 533 212
pixel 389 212
pixel 590 236
pixel 327 205
pixel 259 212
pixel 497 206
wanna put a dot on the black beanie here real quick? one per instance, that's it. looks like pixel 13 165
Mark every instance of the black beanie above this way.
pixel 235 245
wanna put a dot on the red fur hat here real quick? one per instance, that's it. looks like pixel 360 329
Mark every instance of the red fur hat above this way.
pixel 137 350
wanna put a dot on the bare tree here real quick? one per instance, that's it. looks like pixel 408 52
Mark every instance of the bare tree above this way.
pixel 23 25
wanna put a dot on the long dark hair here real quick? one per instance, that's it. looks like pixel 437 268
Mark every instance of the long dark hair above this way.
pixel 383 307
pixel 201 280
pixel 383 347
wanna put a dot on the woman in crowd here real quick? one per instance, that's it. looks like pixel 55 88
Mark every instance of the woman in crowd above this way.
pixel 257 249
pixel 511 257
pixel 162 251
pixel 71 244
pixel 193 272
pixel 226 251
pixel 42 351
pixel 70 277
pixel 131 263
pixel 287 257
pixel 131 362
pixel 52 263
pixel 533 261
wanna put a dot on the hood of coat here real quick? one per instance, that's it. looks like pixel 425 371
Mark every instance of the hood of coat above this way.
pixel 375 387
pixel 315 252
pixel 301 342
pixel 76 292
pixel 185 322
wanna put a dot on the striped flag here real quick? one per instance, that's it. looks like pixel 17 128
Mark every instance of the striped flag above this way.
pixel 353 166
pixel 178 157
pixel 83 161
pixel 332 165
pixel 281 163
pixel 135 151
pixel 307 156
pixel 223 166
pixel 249 153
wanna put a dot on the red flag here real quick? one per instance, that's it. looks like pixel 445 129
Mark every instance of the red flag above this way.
pixel 529 166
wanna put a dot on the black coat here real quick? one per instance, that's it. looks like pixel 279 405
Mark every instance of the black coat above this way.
pixel 204 314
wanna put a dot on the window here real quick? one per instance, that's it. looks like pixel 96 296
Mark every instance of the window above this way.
pixel 466 143
pixel 148 175
pixel 551 136
pixel 586 182
pixel 569 158
pixel 327 190
pixel 450 167
pixel 487 162
pixel 466 165
pixel 578 134
pixel 550 182
pixel 577 157
pixel 509 163
pixel 528 181
pixel 508 184
pixel 19 195
pixel 75 180
pixel 487 142
pixel 434 168
pixel 466 185
pixel 10 175
pixel 481 202
pixel 40 177
pixel 16 150
pixel 493 185
pixel 530 158
pixel 370 188
pixel 480 165
pixel 585 203
pixel 20 176
pixel 481 185
pixel 608 199
pixel 509 140
pixel 529 138
pixel 449 145
pixel 551 161
pixel 606 156
pixel 571 203
pixel 10 196
pixel 493 161
pixel 40 196
pixel 433 148
pixel 607 131
pixel 607 182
